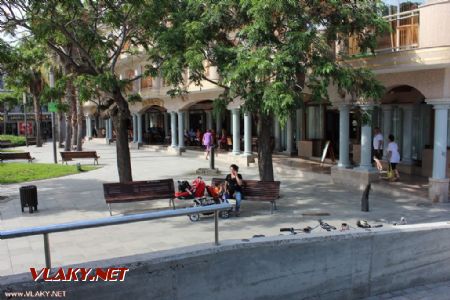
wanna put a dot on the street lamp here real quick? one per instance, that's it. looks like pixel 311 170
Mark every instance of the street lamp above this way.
pixel 52 85
pixel 25 116
pixel 5 116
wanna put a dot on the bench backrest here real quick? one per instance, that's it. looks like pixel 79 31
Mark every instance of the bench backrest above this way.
pixel 78 154
pixel 257 190
pixel 151 190
pixel 15 155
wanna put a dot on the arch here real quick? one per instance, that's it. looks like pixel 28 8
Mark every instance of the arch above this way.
pixel 148 103
pixel 402 94
pixel 200 104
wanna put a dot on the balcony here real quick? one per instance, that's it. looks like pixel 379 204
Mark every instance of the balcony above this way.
pixel 404 35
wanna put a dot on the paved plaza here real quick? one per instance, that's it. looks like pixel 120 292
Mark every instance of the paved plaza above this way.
pixel 80 197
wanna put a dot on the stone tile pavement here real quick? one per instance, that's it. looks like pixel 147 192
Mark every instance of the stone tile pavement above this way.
pixel 436 291
pixel 80 197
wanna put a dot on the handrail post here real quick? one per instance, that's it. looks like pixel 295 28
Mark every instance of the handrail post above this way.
pixel 48 261
pixel 216 227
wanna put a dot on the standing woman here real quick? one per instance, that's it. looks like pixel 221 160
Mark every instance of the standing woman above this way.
pixel 393 157
pixel 207 142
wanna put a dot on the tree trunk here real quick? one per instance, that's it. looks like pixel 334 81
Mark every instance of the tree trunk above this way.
pixel 69 99
pixel 68 141
pixel 60 129
pixel 80 125
pixel 73 110
pixel 120 120
pixel 37 116
pixel 265 165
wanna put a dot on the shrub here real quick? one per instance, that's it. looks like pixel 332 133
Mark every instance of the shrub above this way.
pixel 14 139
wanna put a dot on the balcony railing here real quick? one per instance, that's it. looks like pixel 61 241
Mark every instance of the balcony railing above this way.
pixel 404 34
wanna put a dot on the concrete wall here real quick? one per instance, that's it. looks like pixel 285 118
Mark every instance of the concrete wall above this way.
pixel 319 266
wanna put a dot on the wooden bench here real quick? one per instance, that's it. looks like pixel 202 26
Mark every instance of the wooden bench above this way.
pixel 5 144
pixel 31 140
pixel 139 191
pixel 70 155
pixel 254 190
pixel 16 155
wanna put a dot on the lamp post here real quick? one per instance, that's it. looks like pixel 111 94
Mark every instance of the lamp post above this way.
pixel 25 116
pixel 52 85
pixel 5 116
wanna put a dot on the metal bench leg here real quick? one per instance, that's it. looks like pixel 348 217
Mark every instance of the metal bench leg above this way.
pixel 110 212
pixel 172 201
pixel 271 207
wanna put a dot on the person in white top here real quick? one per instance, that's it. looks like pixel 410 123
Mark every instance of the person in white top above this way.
pixel 393 156
pixel 378 148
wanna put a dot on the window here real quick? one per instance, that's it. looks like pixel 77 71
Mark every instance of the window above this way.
pixel 146 82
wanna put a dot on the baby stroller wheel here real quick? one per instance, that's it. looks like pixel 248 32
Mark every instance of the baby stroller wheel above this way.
pixel 224 214
pixel 194 217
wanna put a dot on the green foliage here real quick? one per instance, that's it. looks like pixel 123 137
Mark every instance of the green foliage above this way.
pixel 133 98
pixel 14 139
pixel 219 107
pixel 23 172
pixel 11 99
pixel 268 52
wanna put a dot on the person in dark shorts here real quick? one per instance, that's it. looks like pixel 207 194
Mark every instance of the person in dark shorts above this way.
pixel 378 148
pixel 234 180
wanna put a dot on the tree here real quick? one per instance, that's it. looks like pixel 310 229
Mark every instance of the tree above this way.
pixel 97 33
pixel 24 66
pixel 268 52
pixel 7 100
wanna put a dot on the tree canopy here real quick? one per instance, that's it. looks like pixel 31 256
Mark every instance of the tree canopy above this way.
pixel 269 53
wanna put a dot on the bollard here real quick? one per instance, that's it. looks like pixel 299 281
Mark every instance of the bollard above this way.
pixel 365 199
pixel 211 158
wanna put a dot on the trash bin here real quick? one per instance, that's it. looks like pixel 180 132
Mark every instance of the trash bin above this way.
pixel 28 197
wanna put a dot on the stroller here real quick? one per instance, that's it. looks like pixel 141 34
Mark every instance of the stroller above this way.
pixel 201 195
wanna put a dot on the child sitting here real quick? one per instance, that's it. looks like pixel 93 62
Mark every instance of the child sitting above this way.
pixel 223 191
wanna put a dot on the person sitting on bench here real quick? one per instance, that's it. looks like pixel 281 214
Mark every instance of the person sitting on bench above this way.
pixel 234 181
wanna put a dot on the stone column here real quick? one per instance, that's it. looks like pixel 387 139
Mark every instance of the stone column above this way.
pixel 386 130
pixel 88 127
pixel 110 128
pixel 107 131
pixel 181 130
pixel 166 123
pixel 289 136
pixel 407 133
pixel 439 183
pixel 366 141
pixel 135 138
pixel 247 134
pixel 236 131
pixel 277 134
pixel 139 128
pixel 344 132
pixel 173 129
pixel 208 119
pixel 219 125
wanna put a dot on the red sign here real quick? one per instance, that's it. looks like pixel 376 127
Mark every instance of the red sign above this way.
pixel 28 126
